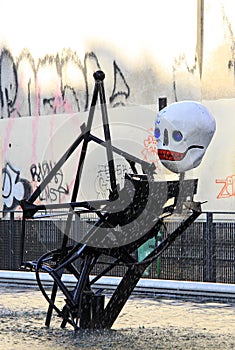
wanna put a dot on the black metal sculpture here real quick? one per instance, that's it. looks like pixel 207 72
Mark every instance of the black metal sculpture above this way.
pixel 127 219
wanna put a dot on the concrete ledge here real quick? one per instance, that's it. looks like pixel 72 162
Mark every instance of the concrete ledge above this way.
pixel 155 287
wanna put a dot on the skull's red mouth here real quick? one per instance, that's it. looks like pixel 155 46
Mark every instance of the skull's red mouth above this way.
pixel 165 154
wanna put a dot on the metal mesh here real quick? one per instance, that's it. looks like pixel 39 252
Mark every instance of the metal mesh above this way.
pixel 192 257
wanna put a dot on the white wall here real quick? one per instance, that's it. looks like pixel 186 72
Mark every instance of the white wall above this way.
pixel 33 145
pixel 50 51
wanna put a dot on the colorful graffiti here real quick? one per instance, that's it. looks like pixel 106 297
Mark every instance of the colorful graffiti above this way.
pixel 55 85
pixel 228 187
pixel 14 188
pixel 150 151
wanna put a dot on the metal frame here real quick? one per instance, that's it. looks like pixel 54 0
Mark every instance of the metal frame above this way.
pixel 85 308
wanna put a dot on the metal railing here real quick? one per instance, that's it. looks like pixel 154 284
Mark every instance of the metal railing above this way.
pixel 204 252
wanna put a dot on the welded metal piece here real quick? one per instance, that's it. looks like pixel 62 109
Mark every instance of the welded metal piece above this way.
pixel 125 221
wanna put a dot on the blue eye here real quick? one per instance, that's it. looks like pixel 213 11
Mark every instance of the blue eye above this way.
pixel 177 135
pixel 157 133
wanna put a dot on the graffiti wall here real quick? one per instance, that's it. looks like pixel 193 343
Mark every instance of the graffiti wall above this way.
pixel 48 54
pixel 164 49
pixel 30 155
pixel 216 173
pixel 31 151
pixel 182 50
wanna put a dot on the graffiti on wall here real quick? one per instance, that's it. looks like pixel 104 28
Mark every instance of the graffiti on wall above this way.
pixel 230 34
pixel 227 188
pixel 56 188
pixel 150 150
pixel 14 188
pixel 102 181
pixel 53 85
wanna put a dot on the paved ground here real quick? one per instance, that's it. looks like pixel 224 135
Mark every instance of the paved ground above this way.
pixel 145 323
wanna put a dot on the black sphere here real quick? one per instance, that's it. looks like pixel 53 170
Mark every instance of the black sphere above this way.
pixel 99 75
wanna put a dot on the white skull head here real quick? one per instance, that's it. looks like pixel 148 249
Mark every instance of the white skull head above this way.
pixel 183 131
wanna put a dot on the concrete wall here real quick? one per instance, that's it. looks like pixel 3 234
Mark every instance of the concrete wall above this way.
pixel 31 146
pixel 49 52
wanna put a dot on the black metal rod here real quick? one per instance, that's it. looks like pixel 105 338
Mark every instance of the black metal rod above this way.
pixel 104 271
pixel 84 278
pixel 170 239
pixel 99 76
pixel 134 273
pixel 209 271
pixel 162 103
pixel 22 241
pixel 60 284
pixel 55 169
pixel 83 138
pixel 124 257
pixel 148 167
pixel 71 259
pixel 89 205
pixel 87 132
pixel 50 307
